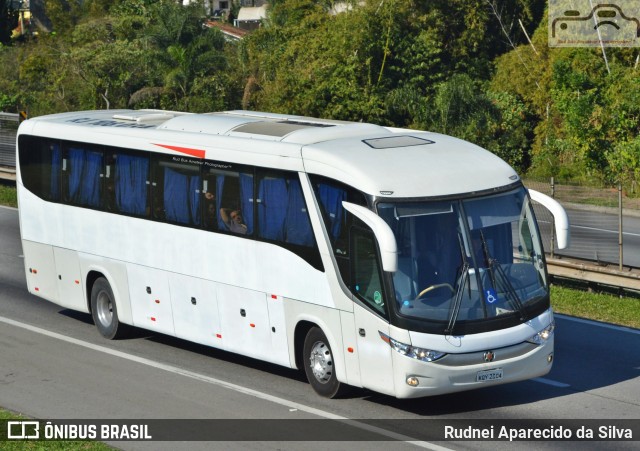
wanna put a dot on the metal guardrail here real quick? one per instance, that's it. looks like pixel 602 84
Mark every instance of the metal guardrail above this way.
pixel 8 128
pixel 590 273
pixel 605 224
pixel 602 222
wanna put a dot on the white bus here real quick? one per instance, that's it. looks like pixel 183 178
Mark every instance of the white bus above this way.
pixel 406 262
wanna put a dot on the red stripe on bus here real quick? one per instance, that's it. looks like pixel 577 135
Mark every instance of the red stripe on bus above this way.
pixel 198 153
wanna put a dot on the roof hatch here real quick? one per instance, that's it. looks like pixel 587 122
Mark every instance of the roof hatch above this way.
pixel 279 128
pixel 396 141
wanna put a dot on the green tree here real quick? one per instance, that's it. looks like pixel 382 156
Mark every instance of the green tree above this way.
pixel 63 14
pixel 184 60
pixel 109 68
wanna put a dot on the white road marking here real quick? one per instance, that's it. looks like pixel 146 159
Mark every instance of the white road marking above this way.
pixel 224 384
pixel 543 380
pixel 604 230
pixel 573 226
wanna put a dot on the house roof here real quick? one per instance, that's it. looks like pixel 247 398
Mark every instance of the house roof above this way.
pixel 251 14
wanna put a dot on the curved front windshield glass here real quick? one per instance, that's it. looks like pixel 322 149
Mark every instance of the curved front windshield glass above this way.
pixel 466 260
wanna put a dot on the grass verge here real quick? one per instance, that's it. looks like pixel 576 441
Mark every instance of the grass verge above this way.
pixel 65 445
pixel 8 195
pixel 606 307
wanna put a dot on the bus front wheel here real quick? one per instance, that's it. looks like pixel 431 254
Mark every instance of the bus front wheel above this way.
pixel 319 365
pixel 104 311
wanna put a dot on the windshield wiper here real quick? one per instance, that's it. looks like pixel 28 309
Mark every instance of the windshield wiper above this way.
pixel 464 276
pixel 496 269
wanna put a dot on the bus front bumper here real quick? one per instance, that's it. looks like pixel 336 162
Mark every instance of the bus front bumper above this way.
pixel 415 378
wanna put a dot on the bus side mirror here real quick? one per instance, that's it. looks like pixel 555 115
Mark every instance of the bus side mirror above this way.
pixel 383 233
pixel 559 215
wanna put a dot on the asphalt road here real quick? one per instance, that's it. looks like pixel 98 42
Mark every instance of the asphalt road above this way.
pixel 595 236
pixel 53 364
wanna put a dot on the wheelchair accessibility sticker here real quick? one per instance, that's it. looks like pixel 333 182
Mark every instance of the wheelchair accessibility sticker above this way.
pixel 590 23
pixel 490 295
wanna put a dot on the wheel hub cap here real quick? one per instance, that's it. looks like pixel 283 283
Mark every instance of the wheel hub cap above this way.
pixel 105 310
pixel 321 362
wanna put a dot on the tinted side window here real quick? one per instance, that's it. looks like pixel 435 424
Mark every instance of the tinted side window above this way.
pixel 330 195
pixel 127 182
pixel 82 175
pixel 235 200
pixel 273 198
pixel 283 217
pixel 40 163
pixel 176 189
pixel 282 211
pixel 297 224
pixel 366 275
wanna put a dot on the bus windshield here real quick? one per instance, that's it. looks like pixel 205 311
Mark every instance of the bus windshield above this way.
pixel 466 260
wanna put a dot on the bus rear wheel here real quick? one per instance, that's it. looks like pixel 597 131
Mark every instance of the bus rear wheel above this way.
pixel 319 365
pixel 104 311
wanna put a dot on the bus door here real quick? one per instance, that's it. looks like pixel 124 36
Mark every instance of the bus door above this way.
pixel 370 312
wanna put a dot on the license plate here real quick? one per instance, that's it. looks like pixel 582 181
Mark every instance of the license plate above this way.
pixel 489 375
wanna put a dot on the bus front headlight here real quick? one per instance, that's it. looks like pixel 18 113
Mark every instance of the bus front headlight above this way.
pixel 542 336
pixel 425 355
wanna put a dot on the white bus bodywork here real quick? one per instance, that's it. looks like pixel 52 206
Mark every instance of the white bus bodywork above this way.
pixel 252 297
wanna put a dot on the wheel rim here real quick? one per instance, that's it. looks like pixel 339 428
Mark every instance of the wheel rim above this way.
pixel 321 362
pixel 104 309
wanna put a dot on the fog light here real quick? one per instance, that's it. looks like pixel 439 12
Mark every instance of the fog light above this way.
pixel 550 358
pixel 413 381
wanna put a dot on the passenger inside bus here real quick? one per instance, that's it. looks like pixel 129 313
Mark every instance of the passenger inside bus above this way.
pixel 233 220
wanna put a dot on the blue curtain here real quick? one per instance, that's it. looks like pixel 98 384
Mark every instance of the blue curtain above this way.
pixel 331 199
pixel 246 200
pixel 76 163
pixel 131 178
pixel 181 201
pixel 219 188
pixel 56 165
pixel 84 177
pixel 272 208
pixel 176 187
pixel 297 226
pixel 90 191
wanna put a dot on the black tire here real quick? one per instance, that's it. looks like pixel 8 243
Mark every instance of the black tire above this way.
pixel 104 311
pixel 319 365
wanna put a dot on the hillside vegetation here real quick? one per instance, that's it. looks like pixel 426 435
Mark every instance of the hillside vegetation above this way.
pixel 461 67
